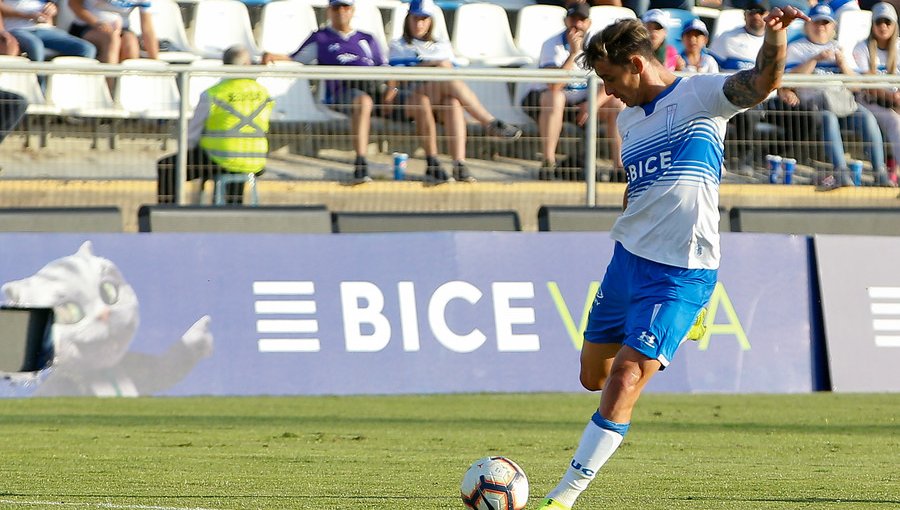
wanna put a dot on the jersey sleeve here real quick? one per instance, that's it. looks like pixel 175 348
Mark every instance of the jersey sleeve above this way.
pixel 307 53
pixel 861 57
pixel 402 54
pixel 710 89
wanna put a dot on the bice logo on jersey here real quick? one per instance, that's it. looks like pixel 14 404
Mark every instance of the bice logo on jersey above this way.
pixel 649 165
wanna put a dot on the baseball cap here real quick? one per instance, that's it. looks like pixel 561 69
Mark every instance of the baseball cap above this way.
pixel 656 16
pixel 697 25
pixel 340 2
pixel 424 8
pixel 821 12
pixel 884 10
pixel 756 7
pixel 581 9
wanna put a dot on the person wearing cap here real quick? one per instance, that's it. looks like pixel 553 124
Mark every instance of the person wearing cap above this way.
pixel 736 49
pixel 550 103
pixel 339 44
pixel 449 99
pixel 667 253
pixel 696 58
pixel 820 54
pixel 657 23
pixel 880 54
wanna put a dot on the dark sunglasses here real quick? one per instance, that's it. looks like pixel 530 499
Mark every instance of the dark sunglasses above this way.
pixel 756 10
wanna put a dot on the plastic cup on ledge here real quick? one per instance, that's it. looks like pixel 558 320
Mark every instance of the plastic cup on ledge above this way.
pixel 788 164
pixel 774 167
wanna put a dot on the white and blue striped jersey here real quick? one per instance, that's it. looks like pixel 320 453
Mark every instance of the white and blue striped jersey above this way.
pixel 672 149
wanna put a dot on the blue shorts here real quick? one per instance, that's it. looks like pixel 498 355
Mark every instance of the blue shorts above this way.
pixel 646 305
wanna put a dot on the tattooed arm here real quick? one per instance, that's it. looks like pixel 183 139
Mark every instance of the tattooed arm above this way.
pixel 748 88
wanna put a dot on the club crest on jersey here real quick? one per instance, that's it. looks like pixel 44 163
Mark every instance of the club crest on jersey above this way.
pixel 670 120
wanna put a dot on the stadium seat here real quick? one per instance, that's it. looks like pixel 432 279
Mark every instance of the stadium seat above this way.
pixel 398 15
pixel 26 84
pixel 482 35
pixel 604 15
pixel 145 95
pixel 26 344
pixel 313 219
pixel 728 19
pixel 61 219
pixel 853 27
pixel 496 98
pixel 83 94
pixel 284 25
pixel 200 82
pixel 220 24
pixel 535 24
pixel 294 101
pixel 362 222
pixel 168 23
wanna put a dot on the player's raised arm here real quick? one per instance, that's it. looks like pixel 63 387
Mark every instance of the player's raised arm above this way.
pixel 748 88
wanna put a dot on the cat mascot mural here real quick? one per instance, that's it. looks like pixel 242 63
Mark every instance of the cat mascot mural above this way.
pixel 96 316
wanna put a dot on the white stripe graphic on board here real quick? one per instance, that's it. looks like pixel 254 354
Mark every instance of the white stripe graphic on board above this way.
pixel 286 307
pixel 884 292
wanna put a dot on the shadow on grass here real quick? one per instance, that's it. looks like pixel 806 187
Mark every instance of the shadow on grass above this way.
pixel 894 503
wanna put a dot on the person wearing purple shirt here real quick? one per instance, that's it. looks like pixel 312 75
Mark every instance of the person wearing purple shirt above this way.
pixel 338 44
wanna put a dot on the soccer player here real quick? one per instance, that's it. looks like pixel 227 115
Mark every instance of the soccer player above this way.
pixel 665 262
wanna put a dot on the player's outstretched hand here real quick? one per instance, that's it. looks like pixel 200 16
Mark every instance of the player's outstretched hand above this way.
pixel 779 18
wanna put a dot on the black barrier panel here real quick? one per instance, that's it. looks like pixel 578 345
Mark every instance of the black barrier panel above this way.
pixel 810 221
pixel 61 219
pixel 313 219
pixel 25 342
pixel 563 218
pixel 487 221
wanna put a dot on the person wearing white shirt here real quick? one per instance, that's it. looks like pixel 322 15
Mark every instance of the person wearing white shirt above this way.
pixel 550 103
pixel 31 23
pixel 880 54
pixel 819 53
pixel 697 59
pixel 450 99
pixel 665 262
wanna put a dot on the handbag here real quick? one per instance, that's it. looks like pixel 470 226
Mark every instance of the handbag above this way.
pixel 839 100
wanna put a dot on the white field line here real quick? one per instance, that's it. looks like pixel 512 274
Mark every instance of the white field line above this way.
pixel 98 505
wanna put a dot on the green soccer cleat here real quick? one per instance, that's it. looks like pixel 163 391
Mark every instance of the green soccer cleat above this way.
pixel 699 328
pixel 549 504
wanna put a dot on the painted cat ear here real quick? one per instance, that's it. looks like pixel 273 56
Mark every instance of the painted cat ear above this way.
pixel 86 249
pixel 10 290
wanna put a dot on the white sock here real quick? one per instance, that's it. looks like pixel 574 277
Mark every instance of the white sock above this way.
pixel 599 441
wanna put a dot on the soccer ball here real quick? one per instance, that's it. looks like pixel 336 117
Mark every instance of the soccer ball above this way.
pixel 494 483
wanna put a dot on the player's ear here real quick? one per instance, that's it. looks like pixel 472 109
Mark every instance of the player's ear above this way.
pixel 637 64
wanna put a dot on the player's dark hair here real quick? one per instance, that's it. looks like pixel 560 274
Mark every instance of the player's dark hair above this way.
pixel 617 43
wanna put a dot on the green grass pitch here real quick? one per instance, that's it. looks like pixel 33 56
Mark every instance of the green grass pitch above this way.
pixel 817 451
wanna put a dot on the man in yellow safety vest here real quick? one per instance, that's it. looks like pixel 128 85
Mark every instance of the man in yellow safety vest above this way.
pixel 226 134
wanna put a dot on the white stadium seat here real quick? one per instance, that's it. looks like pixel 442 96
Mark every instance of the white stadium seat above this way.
pixel 82 94
pixel 367 18
pixel 728 19
pixel 199 82
pixel 604 15
pixel 148 96
pixel 853 27
pixel 284 25
pixel 481 34
pixel 536 24
pixel 220 24
pixel 168 24
pixel 26 84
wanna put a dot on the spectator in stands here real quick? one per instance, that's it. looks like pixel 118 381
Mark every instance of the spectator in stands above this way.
pixel 104 23
pixel 818 53
pixel 880 54
pixel 31 23
pixel 736 49
pixel 450 99
pixel 228 133
pixel 550 104
pixel 657 23
pixel 339 44
pixel 8 43
pixel 696 58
